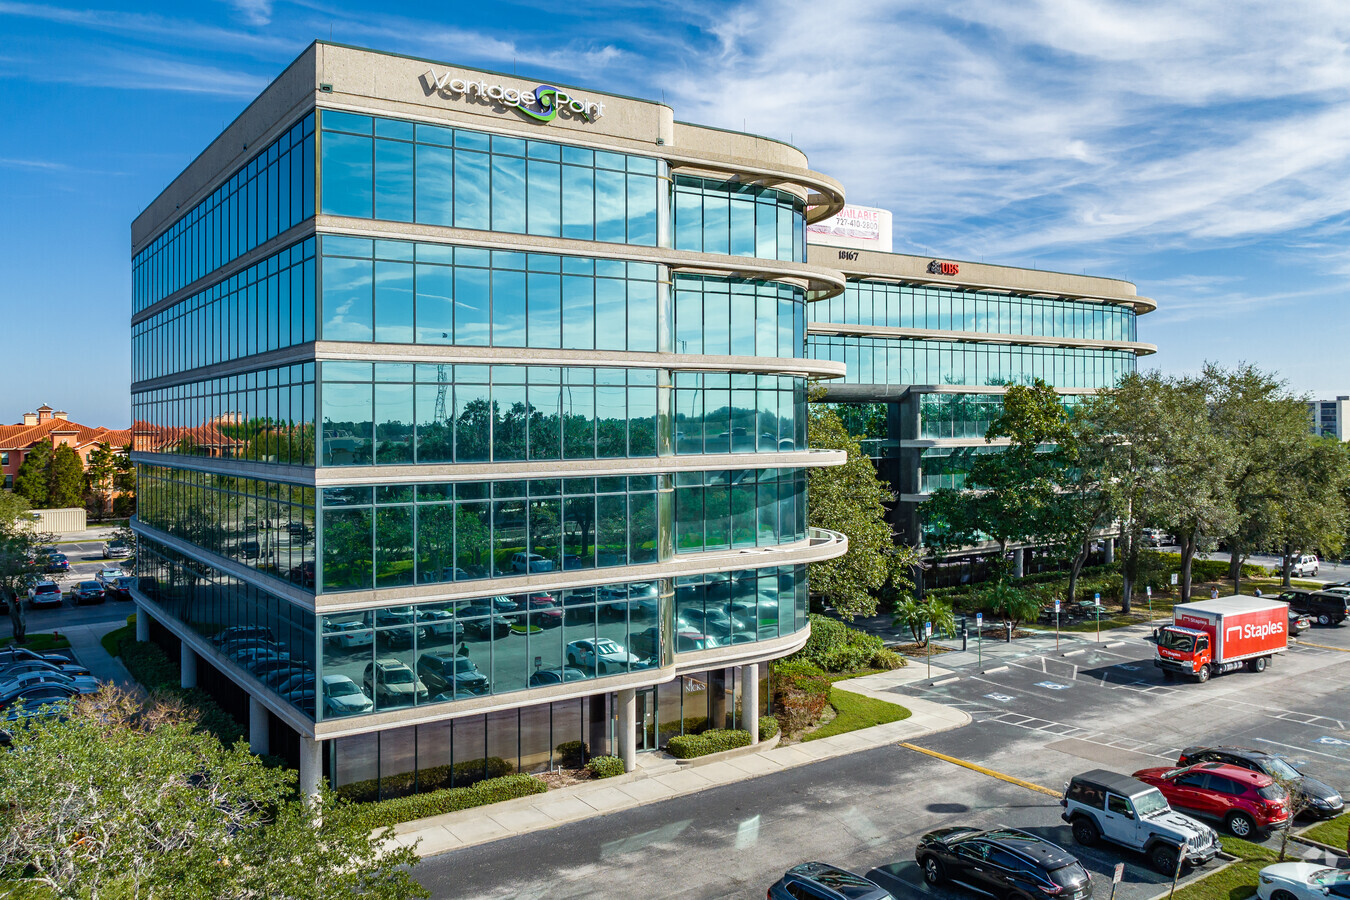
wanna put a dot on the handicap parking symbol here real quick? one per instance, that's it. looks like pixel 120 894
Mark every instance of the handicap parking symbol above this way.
pixel 1052 685
pixel 1001 698
pixel 1333 741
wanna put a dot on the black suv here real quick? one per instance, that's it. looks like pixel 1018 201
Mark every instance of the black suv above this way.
pixel 444 671
pixel 1004 862
pixel 822 881
pixel 1323 607
pixel 1318 798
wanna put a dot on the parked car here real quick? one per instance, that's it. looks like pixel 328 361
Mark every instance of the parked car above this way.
pixel 249 549
pixel 444 670
pixel 1107 806
pixel 116 549
pixel 543 609
pixel 55 561
pixel 348 634
pixel 299 530
pixel 21 667
pixel 600 656
pixel 84 684
pixel 556 675
pixel 481 621
pixel 303 574
pixel 45 594
pixel 251 656
pixel 1323 607
pixel 87 592
pixel 822 881
pixel 13 654
pixel 1298 623
pixel 33 699
pixel 1002 861
pixel 238 632
pixel 531 562
pixel 439 622
pixel 1319 798
pixel 1303 567
pixel 341 697
pixel 392 683
pixel 262 668
pixel 1302 881
pixel 297 682
pixel 278 675
pixel 1249 803
pixel 119 588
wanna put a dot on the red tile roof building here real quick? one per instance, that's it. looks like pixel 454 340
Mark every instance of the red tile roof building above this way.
pixel 55 429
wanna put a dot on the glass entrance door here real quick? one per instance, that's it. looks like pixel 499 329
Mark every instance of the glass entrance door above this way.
pixel 645 739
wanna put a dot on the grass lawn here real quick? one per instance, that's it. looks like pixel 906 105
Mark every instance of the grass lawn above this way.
pixel 1238 881
pixel 1166 597
pixel 1330 832
pixel 112 641
pixel 854 711
pixel 39 643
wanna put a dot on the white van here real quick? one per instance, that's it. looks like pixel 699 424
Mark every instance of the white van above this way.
pixel 530 562
pixel 1304 566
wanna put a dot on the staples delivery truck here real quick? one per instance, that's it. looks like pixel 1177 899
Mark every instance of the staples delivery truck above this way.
pixel 1217 636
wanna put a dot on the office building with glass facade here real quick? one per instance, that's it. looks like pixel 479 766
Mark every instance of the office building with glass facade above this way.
pixel 505 389
pixel 931 345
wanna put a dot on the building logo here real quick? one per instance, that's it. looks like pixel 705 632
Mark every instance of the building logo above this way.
pixel 943 268
pixel 542 104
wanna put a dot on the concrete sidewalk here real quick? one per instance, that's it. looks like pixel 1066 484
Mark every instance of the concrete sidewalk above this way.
pixel 658 778
pixel 87 648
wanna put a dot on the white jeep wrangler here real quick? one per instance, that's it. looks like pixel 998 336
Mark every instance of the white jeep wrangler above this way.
pixel 1106 806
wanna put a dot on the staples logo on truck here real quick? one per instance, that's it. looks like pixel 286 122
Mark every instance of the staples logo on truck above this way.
pixel 1249 631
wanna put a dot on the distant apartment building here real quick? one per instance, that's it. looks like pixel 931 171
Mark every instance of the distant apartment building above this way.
pixel 54 428
pixel 1328 417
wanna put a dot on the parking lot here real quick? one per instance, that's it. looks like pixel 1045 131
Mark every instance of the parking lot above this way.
pixel 1043 718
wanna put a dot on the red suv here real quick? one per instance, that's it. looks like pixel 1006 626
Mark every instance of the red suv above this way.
pixel 1248 802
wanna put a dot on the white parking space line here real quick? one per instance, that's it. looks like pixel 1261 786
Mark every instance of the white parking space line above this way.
pixel 1303 749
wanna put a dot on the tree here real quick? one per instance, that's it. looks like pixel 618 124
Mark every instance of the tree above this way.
pixel 915 614
pixel 66 485
pixel 851 499
pixel 124 483
pixel 117 797
pixel 98 480
pixel 20 544
pixel 1009 602
pixel 1012 495
pixel 33 480
pixel 1262 426
pixel 1308 510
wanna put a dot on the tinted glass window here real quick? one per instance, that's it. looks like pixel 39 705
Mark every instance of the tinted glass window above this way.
pixel 1191 779
pixel 1088 795
pixel 1072 874
pixel 1118 805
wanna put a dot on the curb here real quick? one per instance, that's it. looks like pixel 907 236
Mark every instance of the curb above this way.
pixel 1208 874
pixel 1298 838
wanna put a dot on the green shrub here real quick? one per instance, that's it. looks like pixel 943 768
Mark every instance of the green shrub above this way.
pixel 835 647
pixel 419 806
pixel 687 725
pixel 149 665
pixel 605 766
pixel 791 667
pixel 688 746
pixel 572 754
pixel 432 778
pixel 768 727
pixel 801 691
pixel 886 659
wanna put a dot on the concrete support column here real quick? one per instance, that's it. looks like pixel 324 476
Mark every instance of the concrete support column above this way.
pixel 187 665
pixel 259 737
pixel 717 698
pixel 1110 550
pixel 750 700
pixel 1019 562
pixel 626 706
pixel 599 726
pixel 142 624
pixel 311 766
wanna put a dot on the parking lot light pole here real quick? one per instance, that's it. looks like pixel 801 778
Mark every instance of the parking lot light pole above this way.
pixel 979 637
pixel 1056 624
pixel 1097 601
pixel 928 639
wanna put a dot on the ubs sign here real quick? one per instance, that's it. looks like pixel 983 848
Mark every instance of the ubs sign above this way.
pixel 943 268
pixel 542 104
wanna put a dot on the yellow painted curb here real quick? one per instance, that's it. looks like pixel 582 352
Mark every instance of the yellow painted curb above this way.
pixel 1323 647
pixel 983 771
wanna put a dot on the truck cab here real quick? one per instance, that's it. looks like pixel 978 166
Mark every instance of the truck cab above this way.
pixel 1183 651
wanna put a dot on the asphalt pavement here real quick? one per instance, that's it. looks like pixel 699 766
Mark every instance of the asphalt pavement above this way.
pixel 86 558
pixel 1037 715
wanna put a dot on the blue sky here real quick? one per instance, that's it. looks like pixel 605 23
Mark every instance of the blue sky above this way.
pixel 1199 149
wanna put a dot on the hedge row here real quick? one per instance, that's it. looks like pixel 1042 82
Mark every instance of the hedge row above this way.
pixel 432 778
pixel 605 766
pixel 419 806
pixel 149 665
pixel 688 746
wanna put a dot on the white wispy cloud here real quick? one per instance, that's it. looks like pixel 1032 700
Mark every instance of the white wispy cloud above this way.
pixel 1015 127
pixel 44 165
pixel 173 32
pixel 254 12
